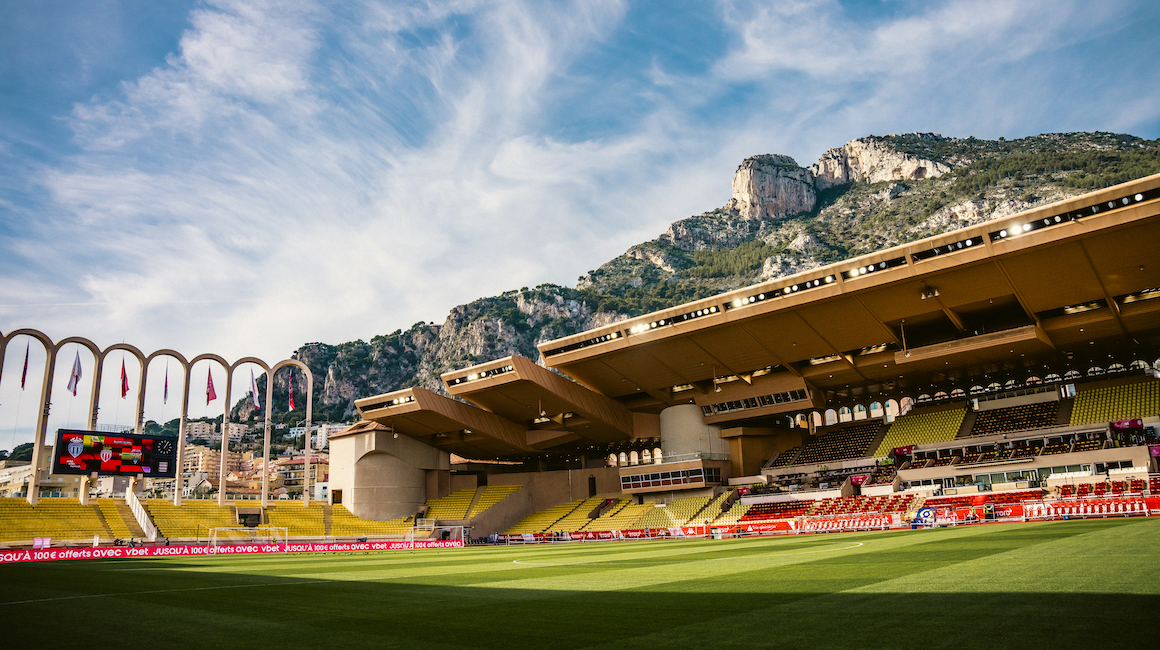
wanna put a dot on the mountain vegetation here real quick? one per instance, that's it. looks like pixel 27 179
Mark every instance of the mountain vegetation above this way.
pixel 725 248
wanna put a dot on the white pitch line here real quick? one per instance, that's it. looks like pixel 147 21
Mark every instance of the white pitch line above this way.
pixel 825 550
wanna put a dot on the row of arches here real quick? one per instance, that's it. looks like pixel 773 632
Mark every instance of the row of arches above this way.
pixel 645 457
pixel 98 357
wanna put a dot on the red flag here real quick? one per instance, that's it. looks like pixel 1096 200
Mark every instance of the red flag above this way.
pixel 291 389
pixel 24 374
pixel 210 395
pixel 124 380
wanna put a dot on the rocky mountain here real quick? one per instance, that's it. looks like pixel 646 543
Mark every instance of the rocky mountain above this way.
pixel 870 193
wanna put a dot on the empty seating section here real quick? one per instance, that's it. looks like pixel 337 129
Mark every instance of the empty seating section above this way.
pixel 1088 445
pixel 576 519
pixel 115 518
pixel 1057 448
pixel 60 519
pixel 733 514
pixel 191 519
pixel 452 507
pixel 1031 449
pixel 997 498
pixel 779 510
pixel 842 444
pixel 677 513
pixel 343 523
pixel 1103 488
pixel 856 505
pixel 922 428
pixel 491 495
pixel 944 461
pixel 882 475
pixel 1015 418
pixel 1117 403
pixel 623 516
pixel 297 519
pixel 538 522
pixel 1154 484
pixel 786 458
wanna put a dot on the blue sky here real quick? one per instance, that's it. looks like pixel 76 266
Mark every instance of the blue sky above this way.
pixel 244 177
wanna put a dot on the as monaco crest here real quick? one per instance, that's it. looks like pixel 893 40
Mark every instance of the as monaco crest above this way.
pixel 106 455
pixel 76 446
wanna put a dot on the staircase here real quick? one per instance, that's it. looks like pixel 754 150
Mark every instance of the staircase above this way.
pixel 127 517
pixel 327 518
pixel 967 425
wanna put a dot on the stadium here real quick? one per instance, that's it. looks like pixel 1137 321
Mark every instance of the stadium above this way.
pixel 951 442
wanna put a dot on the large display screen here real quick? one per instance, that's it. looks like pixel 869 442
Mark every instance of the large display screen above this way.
pixel 120 454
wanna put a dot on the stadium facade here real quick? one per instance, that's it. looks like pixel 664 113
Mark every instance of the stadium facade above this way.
pixel 1014 352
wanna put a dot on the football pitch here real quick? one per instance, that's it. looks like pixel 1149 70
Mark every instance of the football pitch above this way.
pixel 1086 584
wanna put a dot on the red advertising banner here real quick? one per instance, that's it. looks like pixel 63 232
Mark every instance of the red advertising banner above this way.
pixel 35 555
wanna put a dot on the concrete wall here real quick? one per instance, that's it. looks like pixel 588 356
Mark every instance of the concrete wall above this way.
pixel 383 477
pixel 684 432
pixel 463 482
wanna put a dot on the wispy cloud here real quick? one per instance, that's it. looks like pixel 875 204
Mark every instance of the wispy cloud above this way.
pixel 298 171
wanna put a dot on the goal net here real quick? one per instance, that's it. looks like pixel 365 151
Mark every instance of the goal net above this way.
pixel 246 535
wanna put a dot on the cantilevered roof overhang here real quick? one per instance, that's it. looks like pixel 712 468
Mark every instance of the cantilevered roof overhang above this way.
pixel 519 390
pixel 1070 277
pixel 444 423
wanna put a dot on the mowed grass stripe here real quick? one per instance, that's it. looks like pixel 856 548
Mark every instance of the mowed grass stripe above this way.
pixel 741 593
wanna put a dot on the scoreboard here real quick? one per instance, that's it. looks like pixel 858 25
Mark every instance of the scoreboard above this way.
pixel 120 454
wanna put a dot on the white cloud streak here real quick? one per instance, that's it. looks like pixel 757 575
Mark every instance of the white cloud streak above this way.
pixel 295 172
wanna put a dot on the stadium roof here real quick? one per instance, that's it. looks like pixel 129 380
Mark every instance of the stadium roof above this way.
pixel 1065 284
pixel 1067 280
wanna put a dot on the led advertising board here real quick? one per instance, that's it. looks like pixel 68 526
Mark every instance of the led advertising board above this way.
pixel 109 454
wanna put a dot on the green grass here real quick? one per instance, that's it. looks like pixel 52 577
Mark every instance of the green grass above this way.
pixel 1060 585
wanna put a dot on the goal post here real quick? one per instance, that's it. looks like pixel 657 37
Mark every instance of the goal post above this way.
pixel 248 535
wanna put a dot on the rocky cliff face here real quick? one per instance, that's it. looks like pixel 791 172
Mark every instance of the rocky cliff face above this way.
pixel 770 187
pixel 872 160
pixel 870 193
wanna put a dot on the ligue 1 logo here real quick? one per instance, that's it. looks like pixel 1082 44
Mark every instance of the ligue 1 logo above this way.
pixel 76 446
pixel 106 455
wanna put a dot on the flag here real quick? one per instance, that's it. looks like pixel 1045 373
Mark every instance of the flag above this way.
pixel 24 373
pixel 254 391
pixel 165 394
pixel 124 380
pixel 74 379
pixel 291 390
pixel 210 395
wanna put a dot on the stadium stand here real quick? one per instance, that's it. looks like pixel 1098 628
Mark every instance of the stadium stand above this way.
pixel 191 518
pixel 345 524
pixel 576 519
pixel 1014 418
pixel 491 495
pixel 1113 403
pixel 882 475
pixel 785 458
pixel 677 513
pixel 734 513
pixel 538 522
pixel 1088 445
pixel 997 498
pixel 452 507
pixel 841 444
pixel 58 518
pixel 119 518
pixel 922 428
pixel 1061 447
pixel 853 505
pixel 773 511
pixel 622 517
pixel 298 520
